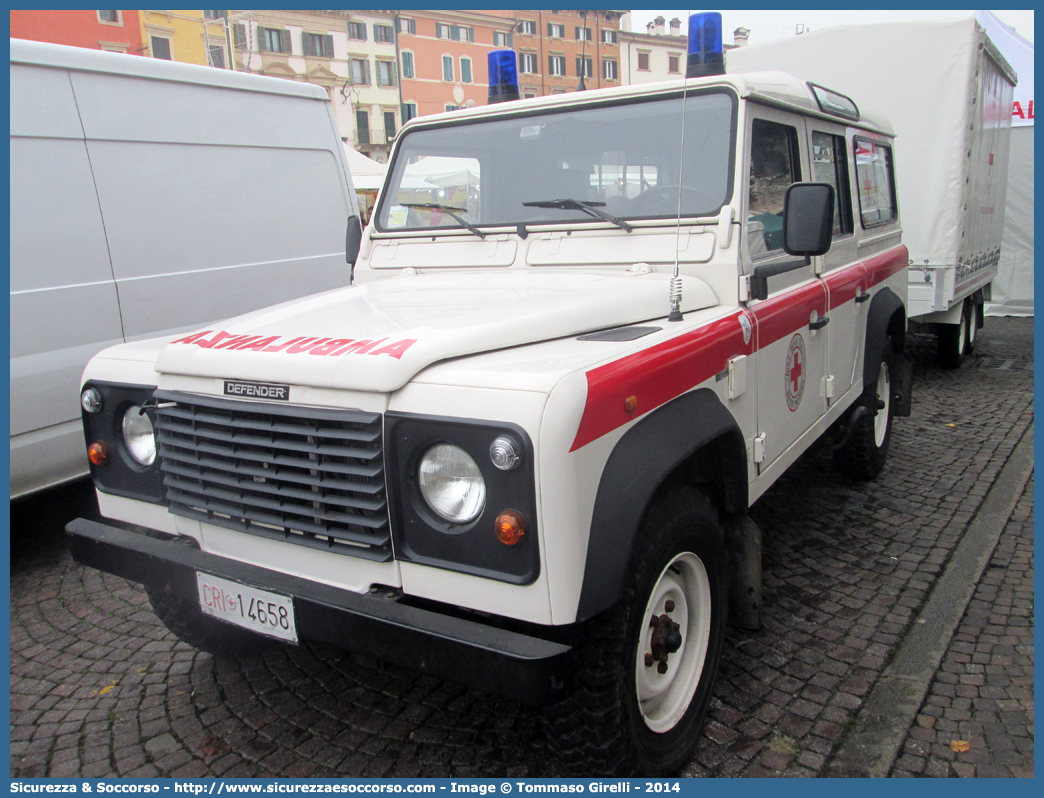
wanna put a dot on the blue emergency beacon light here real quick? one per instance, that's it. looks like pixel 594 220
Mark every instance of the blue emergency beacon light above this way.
pixel 503 76
pixel 705 51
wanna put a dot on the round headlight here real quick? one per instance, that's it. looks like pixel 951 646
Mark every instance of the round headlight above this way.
pixel 451 483
pixel 139 436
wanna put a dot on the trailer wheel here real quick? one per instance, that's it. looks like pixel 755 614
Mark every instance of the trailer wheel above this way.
pixel 190 625
pixel 952 341
pixel 645 668
pixel 864 454
pixel 974 311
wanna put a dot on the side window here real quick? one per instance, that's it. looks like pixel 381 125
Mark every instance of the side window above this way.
pixel 830 165
pixel 876 181
pixel 774 165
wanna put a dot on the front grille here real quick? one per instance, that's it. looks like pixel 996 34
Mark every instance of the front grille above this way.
pixel 309 476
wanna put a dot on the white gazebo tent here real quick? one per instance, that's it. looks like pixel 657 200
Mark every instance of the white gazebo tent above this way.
pixel 367 174
pixel 1013 287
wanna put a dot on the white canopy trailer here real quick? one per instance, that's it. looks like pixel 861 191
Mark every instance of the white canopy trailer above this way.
pixel 948 91
pixel 1013 287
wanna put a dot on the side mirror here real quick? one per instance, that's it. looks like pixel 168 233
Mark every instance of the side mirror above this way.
pixel 352 239
pixel 808 218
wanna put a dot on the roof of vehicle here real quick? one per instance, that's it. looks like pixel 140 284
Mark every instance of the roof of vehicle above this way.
pixel 80 58
pixel 772 88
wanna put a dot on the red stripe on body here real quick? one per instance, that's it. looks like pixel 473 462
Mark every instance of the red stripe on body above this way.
pixel 669 369
pixel 657 375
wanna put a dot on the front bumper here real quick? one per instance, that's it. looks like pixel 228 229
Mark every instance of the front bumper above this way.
pixel 506 663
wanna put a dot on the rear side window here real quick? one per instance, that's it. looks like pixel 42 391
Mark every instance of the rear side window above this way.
pixel 876 179
pixel 830 165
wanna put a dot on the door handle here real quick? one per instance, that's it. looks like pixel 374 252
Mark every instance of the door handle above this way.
pixel 819 323
pixel 862 298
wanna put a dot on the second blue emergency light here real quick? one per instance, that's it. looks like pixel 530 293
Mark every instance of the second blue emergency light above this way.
pixel 503 76
pixel 705 52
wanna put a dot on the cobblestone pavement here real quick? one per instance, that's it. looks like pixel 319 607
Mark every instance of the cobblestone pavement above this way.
pixel 99 688
pixel 983 692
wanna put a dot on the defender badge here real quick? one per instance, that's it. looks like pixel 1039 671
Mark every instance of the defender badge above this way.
pixel 257 390
pixel 795 376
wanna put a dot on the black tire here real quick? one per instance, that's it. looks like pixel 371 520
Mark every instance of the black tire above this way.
pixel 863 455
pixel 952 341
pixel 602 728
pixel 190 625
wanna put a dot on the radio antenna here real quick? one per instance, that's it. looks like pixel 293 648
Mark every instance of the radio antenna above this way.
pixel 676 281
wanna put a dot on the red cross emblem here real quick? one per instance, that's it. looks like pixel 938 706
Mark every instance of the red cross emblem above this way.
pixel 794 384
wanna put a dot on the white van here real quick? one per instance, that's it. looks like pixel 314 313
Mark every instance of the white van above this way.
pixel 150 197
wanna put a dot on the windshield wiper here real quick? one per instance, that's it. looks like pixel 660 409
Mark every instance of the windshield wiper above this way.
pixel 590 208
pixel 448 209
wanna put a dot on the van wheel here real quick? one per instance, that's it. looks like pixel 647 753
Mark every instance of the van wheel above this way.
pixel 952 341
pixel 645 668
pixel 863 455
pixel 189 624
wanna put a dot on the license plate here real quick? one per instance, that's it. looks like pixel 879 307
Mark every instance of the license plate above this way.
pixel 257 610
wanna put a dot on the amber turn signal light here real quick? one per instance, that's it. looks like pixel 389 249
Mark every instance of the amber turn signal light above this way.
pixel 511 528
pixel 98 453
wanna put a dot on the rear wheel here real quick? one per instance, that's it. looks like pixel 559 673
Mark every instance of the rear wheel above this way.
pixel 952 341
pixel 646 667
pixel 864 454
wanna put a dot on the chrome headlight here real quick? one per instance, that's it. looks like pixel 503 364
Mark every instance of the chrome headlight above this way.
pixel 139 436
pixel 451 483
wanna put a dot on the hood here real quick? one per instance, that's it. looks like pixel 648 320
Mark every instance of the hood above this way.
pixel 377 336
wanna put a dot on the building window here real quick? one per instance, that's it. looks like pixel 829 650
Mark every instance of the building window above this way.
pixel 608 36
pixel 360 71
pixel 216 56
pixel 213 14
pixel 501 39
pixel 407 25
pixel 362 124
pixel 385 73
pixel 110 17
pixel 465 70
pixel 451 107
pixel 556 65
pixel 672 63
pixel 527 26
pixel 447 67
pixel 160 48
pixel 239 37
pixel 643 62
pixel 383 33
pixel 409 111
pixel 875 181
pixel 457 33
pixel 528 95
pixel 357 31
pixel 555 31
pixel 583 34
pixel 584 68
pixel 609 71
pixel 317 45
pixel 389 125
pixel 274 41
pixel 407 64
pixel 527 63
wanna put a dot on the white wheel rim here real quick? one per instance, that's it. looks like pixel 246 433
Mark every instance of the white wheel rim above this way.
pixel 663 698
pixel 884 393
pixel 971 325
pixel 962 334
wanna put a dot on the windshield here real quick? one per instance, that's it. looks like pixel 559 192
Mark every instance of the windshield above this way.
pixel 624 160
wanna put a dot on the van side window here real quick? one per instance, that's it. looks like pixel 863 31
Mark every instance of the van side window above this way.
pixel 876 181
pixel 830 165
pixel 774 165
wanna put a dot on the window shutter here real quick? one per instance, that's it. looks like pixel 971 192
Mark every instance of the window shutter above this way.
pixel 471 34
pixel 509 40
pixel 239 36
pixel 284 41
pixel 550 31
pixel 579 67
pixel 578 33
pixel 328 46
pixel 455 32
pixel 376 33
pixel 261 39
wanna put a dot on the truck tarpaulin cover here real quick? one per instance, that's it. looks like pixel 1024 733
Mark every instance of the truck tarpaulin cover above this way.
pixel 1013 288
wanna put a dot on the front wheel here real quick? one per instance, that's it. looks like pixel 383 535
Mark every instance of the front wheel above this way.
pixel 863 455
pixel 646 667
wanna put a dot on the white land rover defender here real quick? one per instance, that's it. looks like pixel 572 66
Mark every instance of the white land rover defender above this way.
pixel 586 333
